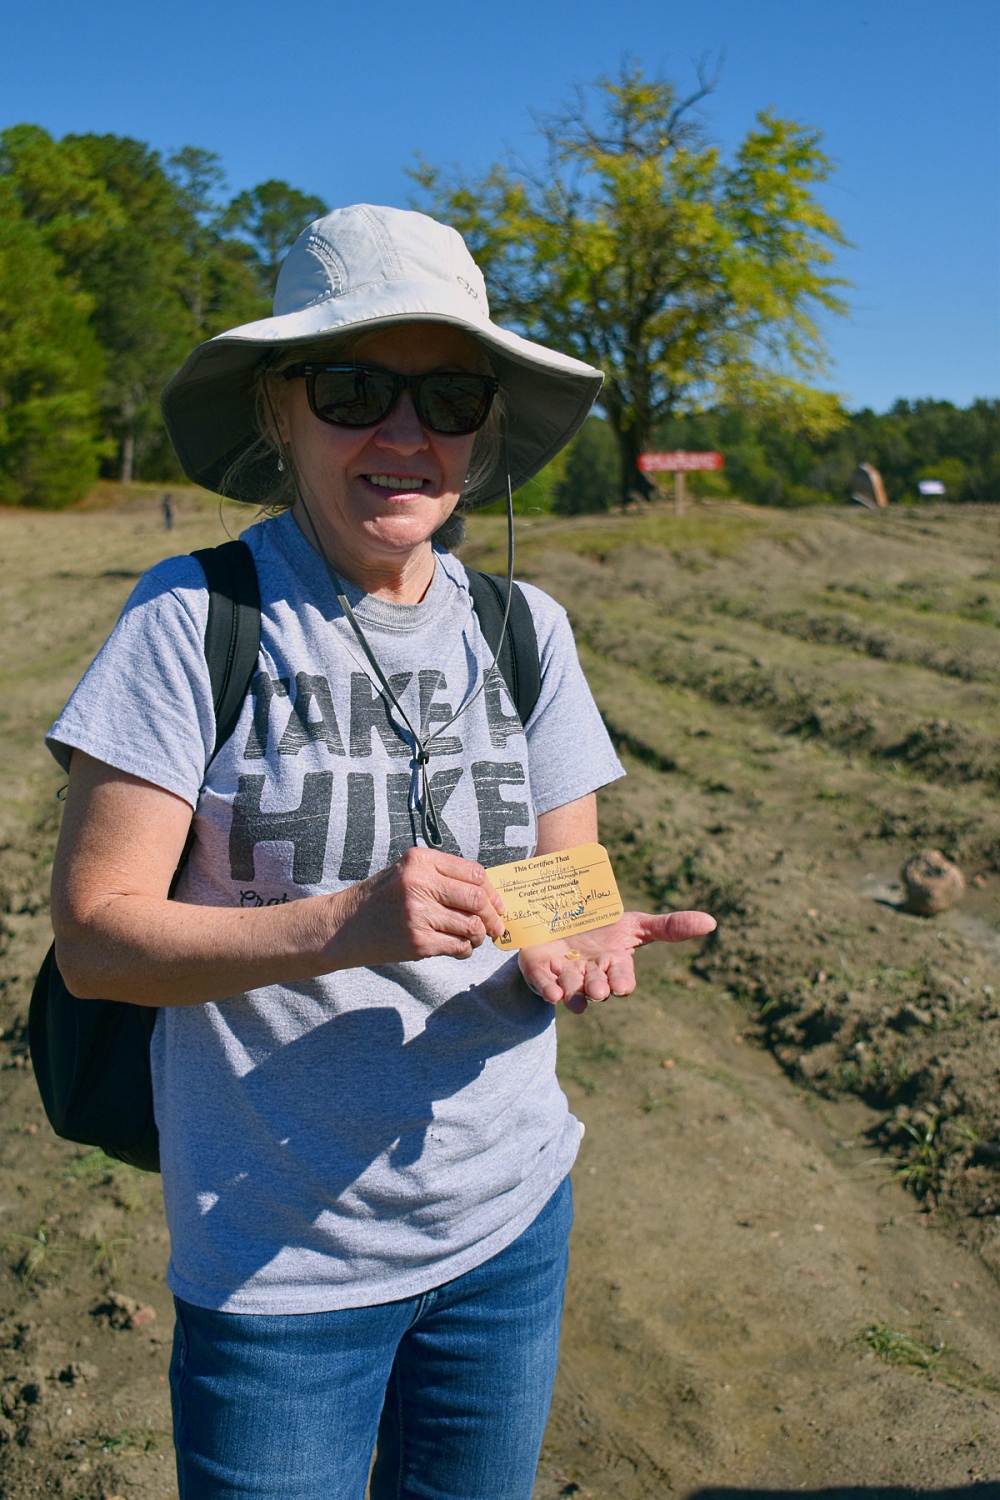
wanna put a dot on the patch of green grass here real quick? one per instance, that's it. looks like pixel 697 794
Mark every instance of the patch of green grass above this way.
pixel 128 1443
pixel 581 1054
pixel 652 1102
pixel 106 1251
pixel 895 1348
pixel 891 978
pixel 582 1080
pixel 921 1172
pixel 933 1142
pixel 91 1164
pixel 37 1251
pixel 96 1169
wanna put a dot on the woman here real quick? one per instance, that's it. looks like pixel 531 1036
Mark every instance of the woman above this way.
pixel 364 1147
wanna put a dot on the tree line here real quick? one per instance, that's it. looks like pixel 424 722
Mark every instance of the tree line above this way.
pixel 114 262
pixel 769 462
pixel 697 281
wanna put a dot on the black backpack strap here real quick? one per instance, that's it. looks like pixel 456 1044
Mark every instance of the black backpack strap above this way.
pixel 232 635
pixel 518 655
pixel 232 643
pixel 91 1057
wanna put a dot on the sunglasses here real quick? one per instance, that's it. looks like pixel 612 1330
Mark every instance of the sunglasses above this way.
pixel 362 395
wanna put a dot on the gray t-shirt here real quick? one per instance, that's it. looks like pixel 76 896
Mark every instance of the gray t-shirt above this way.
pixel 370 1134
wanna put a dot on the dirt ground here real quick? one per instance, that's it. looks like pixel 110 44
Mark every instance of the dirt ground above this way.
pixel 785 1259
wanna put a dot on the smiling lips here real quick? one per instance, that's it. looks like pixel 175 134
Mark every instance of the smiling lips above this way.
pixel 396 481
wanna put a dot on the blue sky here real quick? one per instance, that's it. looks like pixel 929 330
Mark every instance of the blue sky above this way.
pixel 338 98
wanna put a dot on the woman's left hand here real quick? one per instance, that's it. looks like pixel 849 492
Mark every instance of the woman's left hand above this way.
pixel 596 964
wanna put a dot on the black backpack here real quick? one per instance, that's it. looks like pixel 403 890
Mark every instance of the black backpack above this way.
pixel 91 1057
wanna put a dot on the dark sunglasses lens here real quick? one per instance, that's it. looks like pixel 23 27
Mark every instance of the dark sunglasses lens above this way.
pixel 454 403
pixel 355 397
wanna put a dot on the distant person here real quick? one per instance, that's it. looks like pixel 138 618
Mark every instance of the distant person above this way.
pixel 365 1150
pixel 167 507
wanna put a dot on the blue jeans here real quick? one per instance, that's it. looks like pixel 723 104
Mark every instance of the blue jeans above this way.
pixel 455 1385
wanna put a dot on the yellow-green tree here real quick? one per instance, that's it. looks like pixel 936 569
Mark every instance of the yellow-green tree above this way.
pixel 686 277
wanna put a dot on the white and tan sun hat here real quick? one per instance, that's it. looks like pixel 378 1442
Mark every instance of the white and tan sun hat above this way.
pixel 360 268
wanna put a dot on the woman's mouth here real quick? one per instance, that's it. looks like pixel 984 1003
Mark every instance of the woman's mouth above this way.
pixel 409 482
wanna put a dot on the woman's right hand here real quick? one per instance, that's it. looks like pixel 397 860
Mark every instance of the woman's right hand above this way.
pixel 428 904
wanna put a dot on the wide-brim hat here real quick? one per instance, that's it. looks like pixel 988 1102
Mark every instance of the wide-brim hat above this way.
pixel 362 268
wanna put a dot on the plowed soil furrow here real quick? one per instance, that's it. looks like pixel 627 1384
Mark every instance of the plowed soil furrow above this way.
pixel 965 652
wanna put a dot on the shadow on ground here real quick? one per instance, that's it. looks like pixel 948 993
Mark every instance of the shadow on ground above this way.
pixel 990 1490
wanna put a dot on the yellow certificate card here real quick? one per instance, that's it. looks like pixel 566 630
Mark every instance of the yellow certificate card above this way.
pixel 556 895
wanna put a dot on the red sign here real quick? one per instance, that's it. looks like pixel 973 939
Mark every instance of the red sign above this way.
pixel 658 463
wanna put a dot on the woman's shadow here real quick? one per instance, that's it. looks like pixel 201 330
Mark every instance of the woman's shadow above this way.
pixel 319 1111
pixel 989 1489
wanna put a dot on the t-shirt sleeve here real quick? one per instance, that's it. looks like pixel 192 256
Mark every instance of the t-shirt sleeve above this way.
pixel 144 705
pixel 569 750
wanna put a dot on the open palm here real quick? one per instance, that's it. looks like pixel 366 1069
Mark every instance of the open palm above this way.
pixel 596 964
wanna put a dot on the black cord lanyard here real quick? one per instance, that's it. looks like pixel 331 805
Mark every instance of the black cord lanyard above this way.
pixel 430 826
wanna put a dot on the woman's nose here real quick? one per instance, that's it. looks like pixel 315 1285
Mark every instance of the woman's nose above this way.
pixel 402 430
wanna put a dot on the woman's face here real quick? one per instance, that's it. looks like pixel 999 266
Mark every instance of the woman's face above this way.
pixel 380 492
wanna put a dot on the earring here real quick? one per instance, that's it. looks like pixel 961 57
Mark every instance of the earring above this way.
pixel 281 466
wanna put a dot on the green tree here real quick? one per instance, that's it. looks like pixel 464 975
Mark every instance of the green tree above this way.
pixel 59 192
pixel 928 439
pixel 197 177
pixel 269 219
pixel 50 369
pixel 138 278
pixel 686 278
pixel 141 256
pixel 772 462
pixel 591 478
pixel 145 243
pixel 105 207
pixel 219 281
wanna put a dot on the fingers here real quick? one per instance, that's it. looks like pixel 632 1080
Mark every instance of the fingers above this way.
pixel 673 927
pixel 494 895
pixel 447 894
pixel 583 980
pixel 577 980
pixel 461 896
pixel 453 948
pixel 621 974
pixel 465 886
pixel 595 985
pixel 540 975
pixel 614 976
pixel 454 867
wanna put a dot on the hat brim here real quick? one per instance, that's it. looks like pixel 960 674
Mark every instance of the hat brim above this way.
pixel 209 404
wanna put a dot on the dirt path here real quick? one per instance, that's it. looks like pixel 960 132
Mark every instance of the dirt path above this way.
pixel 756 1303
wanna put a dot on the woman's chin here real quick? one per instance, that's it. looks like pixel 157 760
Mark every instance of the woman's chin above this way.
pixel 402 533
